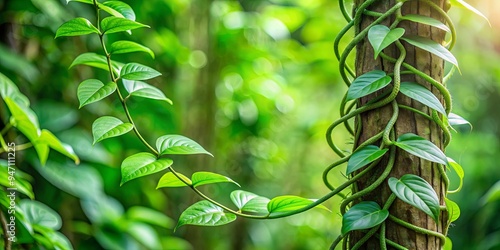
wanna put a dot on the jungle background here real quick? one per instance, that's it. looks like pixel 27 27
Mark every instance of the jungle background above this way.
pixel 256 83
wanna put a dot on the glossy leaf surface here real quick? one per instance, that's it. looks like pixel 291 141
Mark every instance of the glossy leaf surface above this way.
pixel 121 47
pixel 93 90
pixel 178 144
pixel 118 9
pixel 423 95
pixel 364 156
pixel 381 37
pixel 204 213
pixel 114 24
pixel 432 47
pixel 76 27
pixel 142 164
pixel 136 71
pixel 170 180
pixel 367 84
pixel 142 89
pixel 107 127
pixel 364 215
pixel 426 20
pixel 421 147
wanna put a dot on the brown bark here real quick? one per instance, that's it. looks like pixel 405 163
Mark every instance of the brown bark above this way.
pixel 408 122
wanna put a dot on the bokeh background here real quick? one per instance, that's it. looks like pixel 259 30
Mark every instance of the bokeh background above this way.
pixel 256 83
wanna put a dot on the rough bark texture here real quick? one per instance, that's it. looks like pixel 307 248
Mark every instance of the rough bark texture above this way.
pixel 375 121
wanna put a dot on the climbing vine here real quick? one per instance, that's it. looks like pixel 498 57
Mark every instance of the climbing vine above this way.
pixel 127 81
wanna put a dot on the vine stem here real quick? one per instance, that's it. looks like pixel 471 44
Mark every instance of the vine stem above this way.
pixel 7 242
pixel 6 128
pixel 418 229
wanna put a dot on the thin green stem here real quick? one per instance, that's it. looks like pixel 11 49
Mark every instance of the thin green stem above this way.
pixel 6 128
pixel 365 238
pixel 418 229
pixel 4 145
pixel 414 110
pixel 23 146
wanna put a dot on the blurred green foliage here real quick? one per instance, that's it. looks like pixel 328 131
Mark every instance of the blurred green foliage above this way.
pixel 255 82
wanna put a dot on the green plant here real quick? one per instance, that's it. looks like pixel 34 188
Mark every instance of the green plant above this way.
pixel 209 212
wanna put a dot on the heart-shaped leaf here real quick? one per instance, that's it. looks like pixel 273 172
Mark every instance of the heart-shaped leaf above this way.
pixel 142 89
pixel 367 84
pixel 204 213
pixel 463 4
pixel 249 202
pixel 170 180
pixel 426 20
pixel 460 173
pixel 118 9
pixel 364 215
pixel 203 178
pixel 107 127
pixel 136 71
pixel 179 145
pixel 453 210
pixel 96 61
pixel 114 24
pixel 421 147
pixel 364 156
pixel 76 27
pixel 417 192
pixel 93 90
pixel 24 119
pixel 423 95
pixel 432 47
pixel 286 203
pixel 39 214
pixel 142 164
pixel 381 36
pixel 121 47
pixel 46 140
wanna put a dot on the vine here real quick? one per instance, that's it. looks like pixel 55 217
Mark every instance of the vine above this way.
pixel 367 216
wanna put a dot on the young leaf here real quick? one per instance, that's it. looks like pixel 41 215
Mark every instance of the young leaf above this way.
pixel 204 213
pixel 423 95
pixel 76 27
pixel 142 89
pixel 460 173
pixel 249 202
pixel 46 140
pixel 142 164
pixel 417 192
pixel 179 145
pixel 121 47
pixel 37 213
pixel 170 180
pixel 9 89
pixel 421 147
pixel 381 36
pixel 364 215
pixel 448 244
pixel 364 156
pixel 426 20
pixel 203 178
pixel 93 90
pixel 108 126
pixel 24 119
pixel 116 24
pixel 453 210
pixel 135 71
pixel 96 61
pixel 455 120
pixel 463 4
pixel 367 84
pixel 118 9
pixel 288 203
pixel 432 47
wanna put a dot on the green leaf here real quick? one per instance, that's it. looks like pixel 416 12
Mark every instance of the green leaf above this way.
pixel 46 140
pixel 144 234
pixel 81 1
pixel 118 9
pixel 179 145
pixel 367 84
pixel 426 20
pixel 423 95
pixel 460 173
pixel 448 244
pixel 492 195
pixel 76 27
pixel 108 126
pixel 453 210
pixel 170 180
pixel 463 4
pixel 142 164
pixel 432 47
pixel 135 71
pixel 204 213
pixel 121 47
pixel 417 192
pixel 116 24
pixel 455 120
pixel 203 178
pixel 364 156
pixel 249 202
pixel 150 216
pixel 421 147
pixel 381 36
pixel 9 89
pixel 93 90
pixel 37 213
pixel 24 119
pixel 286 203
pixel 364 215
pixel 142 89
pixel 21 183
pixel 96 61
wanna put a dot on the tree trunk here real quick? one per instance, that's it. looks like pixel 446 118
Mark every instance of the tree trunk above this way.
pixel 408 122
